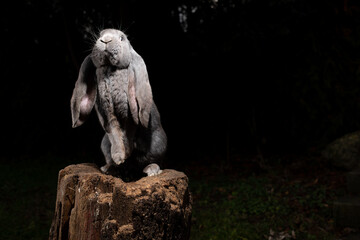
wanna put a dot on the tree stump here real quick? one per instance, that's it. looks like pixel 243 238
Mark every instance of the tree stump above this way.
pixel 91 205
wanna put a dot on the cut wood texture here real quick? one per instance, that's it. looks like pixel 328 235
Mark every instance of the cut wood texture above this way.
pixel 92 205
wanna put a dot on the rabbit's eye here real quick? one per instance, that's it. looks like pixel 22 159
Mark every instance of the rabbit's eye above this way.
pixel 121 38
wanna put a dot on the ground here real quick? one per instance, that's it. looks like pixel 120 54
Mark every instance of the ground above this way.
pixel 277 197
pixel 291 198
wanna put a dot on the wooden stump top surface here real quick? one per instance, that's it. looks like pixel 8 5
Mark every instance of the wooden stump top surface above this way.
pixel 93 205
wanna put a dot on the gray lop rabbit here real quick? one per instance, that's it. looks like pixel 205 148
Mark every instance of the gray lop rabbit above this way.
pixel 114 79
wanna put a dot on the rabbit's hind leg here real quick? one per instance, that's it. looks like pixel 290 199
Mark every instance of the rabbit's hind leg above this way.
pixel 152 169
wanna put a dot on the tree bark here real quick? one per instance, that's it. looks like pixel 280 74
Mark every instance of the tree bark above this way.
pixel 92 205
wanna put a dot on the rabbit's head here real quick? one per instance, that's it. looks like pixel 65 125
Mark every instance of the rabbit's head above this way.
pixel 111 48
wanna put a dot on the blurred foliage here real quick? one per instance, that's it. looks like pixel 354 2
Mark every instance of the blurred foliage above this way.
pixel 27 197
pixel 268 204
pixel 298 60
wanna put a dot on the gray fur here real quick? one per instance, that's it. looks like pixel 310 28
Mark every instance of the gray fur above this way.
pixel 84 94
pixel 114 79
pixel 152 169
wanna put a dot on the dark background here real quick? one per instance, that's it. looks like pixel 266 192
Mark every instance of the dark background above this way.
pixel 229 77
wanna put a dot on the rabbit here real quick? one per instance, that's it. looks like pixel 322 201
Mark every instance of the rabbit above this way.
pixel 114 79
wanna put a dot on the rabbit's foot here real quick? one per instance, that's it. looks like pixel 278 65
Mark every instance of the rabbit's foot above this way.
pixel 152 169
pixel 118 158
pixel 105 168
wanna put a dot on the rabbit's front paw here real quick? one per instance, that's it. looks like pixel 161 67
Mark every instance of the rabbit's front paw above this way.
pixel 105 168
pixel 118 158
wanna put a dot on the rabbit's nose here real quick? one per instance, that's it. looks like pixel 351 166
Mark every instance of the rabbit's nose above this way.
pixel 106 39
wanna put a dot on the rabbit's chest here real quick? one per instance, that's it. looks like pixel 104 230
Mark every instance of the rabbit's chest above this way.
pixel 113 90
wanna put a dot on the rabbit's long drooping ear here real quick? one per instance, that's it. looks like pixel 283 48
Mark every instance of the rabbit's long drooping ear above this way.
pixel 140 94
pixel 84 94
